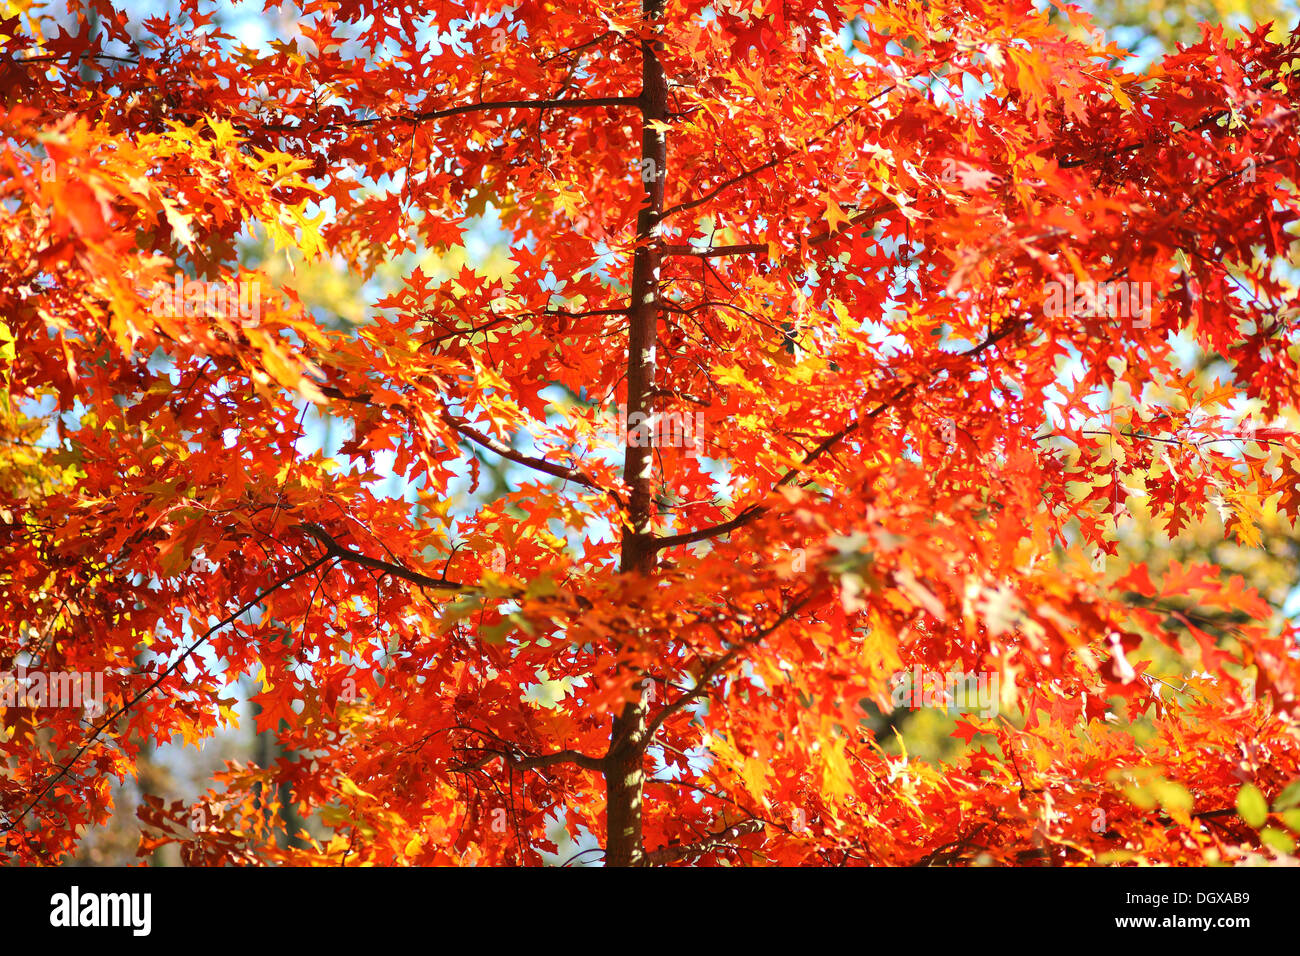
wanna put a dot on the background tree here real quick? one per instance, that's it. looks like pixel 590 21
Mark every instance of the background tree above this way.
pixel 1171 23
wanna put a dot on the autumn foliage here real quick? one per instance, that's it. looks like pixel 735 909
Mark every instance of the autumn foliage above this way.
pixel 819 240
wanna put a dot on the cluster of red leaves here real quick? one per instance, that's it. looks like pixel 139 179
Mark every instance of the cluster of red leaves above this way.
pixel 863 211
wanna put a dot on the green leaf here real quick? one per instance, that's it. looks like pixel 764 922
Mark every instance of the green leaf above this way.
pixel 496 633
pixel 1172 796
pixel 1290 797
pixel 1252 806
pixel 541 586
pixel 1279 840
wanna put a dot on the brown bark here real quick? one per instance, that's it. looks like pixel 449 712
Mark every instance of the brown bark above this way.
pixel 624 771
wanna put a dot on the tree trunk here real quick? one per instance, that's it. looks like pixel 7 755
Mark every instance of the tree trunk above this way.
pixel 624 774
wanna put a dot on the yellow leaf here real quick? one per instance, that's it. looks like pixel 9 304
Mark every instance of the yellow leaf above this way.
pixel 834 214
pixel 350 789
pixel 1121 97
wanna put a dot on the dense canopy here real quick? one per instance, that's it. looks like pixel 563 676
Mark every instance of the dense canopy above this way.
pixel 836 345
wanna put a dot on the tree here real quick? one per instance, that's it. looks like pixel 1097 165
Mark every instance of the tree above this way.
pixel 1170 23
pixel 835 340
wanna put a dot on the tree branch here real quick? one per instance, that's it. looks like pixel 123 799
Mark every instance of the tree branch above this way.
pixel 505 451
pixel 710 252
pixel 774 161
pixel 825 445
pixel 715 668
pixel 596 764
pixel 589 103
pixel 491 444
pixel 713 531
pixel 1110 153
pixel 66 768
pixel 335 550
pixel 755 248
pixel 690 851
